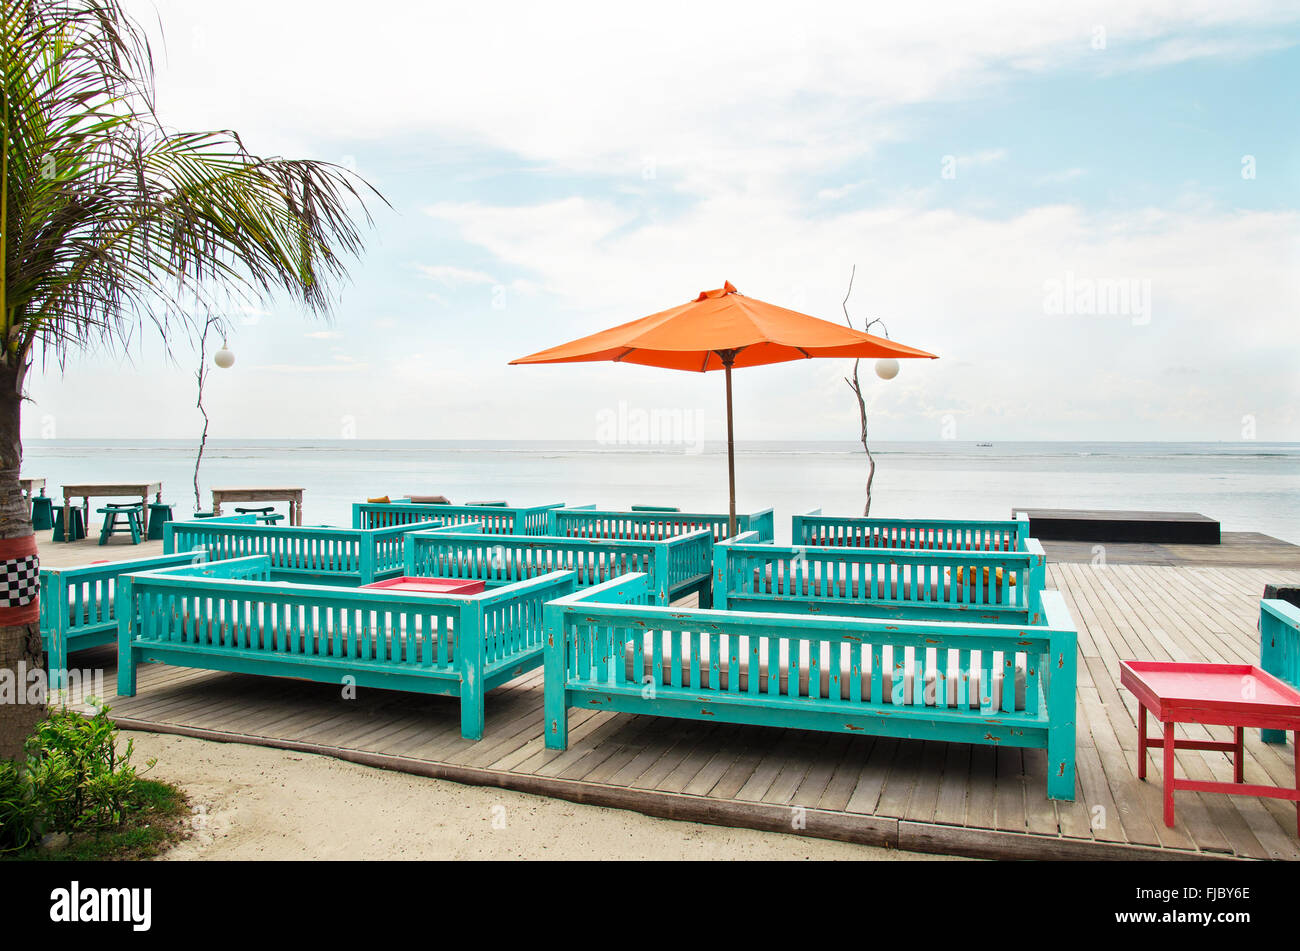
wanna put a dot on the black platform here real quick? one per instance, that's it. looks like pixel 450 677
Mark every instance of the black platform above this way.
pixel 1084 525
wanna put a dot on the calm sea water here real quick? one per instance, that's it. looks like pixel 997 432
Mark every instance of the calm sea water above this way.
pixel 1248 486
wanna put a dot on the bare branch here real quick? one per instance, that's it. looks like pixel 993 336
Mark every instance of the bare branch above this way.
pixel 855 384
pixel 844 304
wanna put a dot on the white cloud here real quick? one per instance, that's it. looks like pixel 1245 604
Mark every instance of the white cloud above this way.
pixel 968 287
pixel 841 191
pixel 1060 177
pixel 721 93
pixel 984 157
pixel 346 366
pixel 449 275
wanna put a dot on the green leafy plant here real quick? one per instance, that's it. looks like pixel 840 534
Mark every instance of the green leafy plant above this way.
pixel 17 809
pixel 74 780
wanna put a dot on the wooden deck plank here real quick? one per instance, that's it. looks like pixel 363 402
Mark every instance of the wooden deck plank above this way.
pixel 815 783
pixel 950 801
pixel 726 755
pixel 632 738
pixel 872 776
pixel 844 777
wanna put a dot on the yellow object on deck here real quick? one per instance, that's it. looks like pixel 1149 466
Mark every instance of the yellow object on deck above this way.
pixel 961 576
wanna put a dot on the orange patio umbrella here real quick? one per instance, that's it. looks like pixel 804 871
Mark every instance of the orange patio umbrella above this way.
pixel 719 330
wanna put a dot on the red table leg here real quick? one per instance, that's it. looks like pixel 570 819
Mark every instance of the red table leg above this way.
pixel 1238 760
pixel 1169 774
pixel 1142 742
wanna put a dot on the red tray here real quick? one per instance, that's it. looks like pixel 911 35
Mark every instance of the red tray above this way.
pixel 410 585
pixel 1172 690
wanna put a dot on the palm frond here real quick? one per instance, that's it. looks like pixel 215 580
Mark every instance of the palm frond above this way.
pixel 111 221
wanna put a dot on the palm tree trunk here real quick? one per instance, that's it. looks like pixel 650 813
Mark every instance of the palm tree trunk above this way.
pixel 20 643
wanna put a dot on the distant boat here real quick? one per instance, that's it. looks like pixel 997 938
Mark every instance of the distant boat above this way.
pixel 984 445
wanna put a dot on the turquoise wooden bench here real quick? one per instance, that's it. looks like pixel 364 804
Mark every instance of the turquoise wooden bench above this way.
pixel 920 533
pixel 76 606
pixel 311 554
pixel 231 616
pixel 587 522
pixel 1279 649
pixel 496 520
pixel 676 566
pixel 607 648
pixel 983 586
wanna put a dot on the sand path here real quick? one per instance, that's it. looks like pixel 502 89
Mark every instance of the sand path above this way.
pixel 256 803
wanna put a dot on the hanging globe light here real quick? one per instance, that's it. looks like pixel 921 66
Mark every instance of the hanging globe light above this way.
pixel 225 357
pixel 887 369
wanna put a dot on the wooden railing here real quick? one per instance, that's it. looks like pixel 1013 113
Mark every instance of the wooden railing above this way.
pixel 1002 587
pixel 496 519
pixel 439 644
pixel 574 522
pixel 305 553
pixel 1011 685
pixel 77 606
pixel 1279 649
pixel 835 531
pixel 676 566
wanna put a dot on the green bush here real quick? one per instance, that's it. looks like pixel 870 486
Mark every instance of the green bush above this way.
pixel 74 780
pixel 17 812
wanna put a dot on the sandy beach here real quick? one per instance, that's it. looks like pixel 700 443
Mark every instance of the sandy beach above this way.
pixel 255 803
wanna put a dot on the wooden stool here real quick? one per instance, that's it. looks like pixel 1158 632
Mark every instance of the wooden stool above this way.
pixel 160 513
pixel 78 524
pixel 267 514
pixel 111 512
pixel 42 512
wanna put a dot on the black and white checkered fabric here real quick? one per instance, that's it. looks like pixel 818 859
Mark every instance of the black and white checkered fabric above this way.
pixel 19 581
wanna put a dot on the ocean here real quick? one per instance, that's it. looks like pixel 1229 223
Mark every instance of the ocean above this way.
pixel 1248 486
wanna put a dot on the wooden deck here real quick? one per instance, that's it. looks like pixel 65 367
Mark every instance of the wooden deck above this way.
pixel 85 550
pixel 1235 550
pixel 920 796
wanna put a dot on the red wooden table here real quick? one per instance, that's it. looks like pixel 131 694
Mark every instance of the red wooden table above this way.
pixel 430 585
pixel 1235 695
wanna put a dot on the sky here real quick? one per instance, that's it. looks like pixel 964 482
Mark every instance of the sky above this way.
pixel 1091 212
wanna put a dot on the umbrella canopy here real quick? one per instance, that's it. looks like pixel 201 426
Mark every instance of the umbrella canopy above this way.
pixel 719 330
pixel 699 334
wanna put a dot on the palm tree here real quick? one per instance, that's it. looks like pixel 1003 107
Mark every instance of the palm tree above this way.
pixel 111 223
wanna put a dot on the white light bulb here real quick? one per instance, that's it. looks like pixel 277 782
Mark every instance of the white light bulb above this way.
pixel 887 369
pixel 224 358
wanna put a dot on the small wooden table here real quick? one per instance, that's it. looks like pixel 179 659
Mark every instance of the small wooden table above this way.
pixel 1235 695
pixel 292 496
pixel 29 487
pixel 88 490
pixel 430 585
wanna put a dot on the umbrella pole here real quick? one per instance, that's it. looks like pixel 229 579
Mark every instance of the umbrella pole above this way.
pixel 731 449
